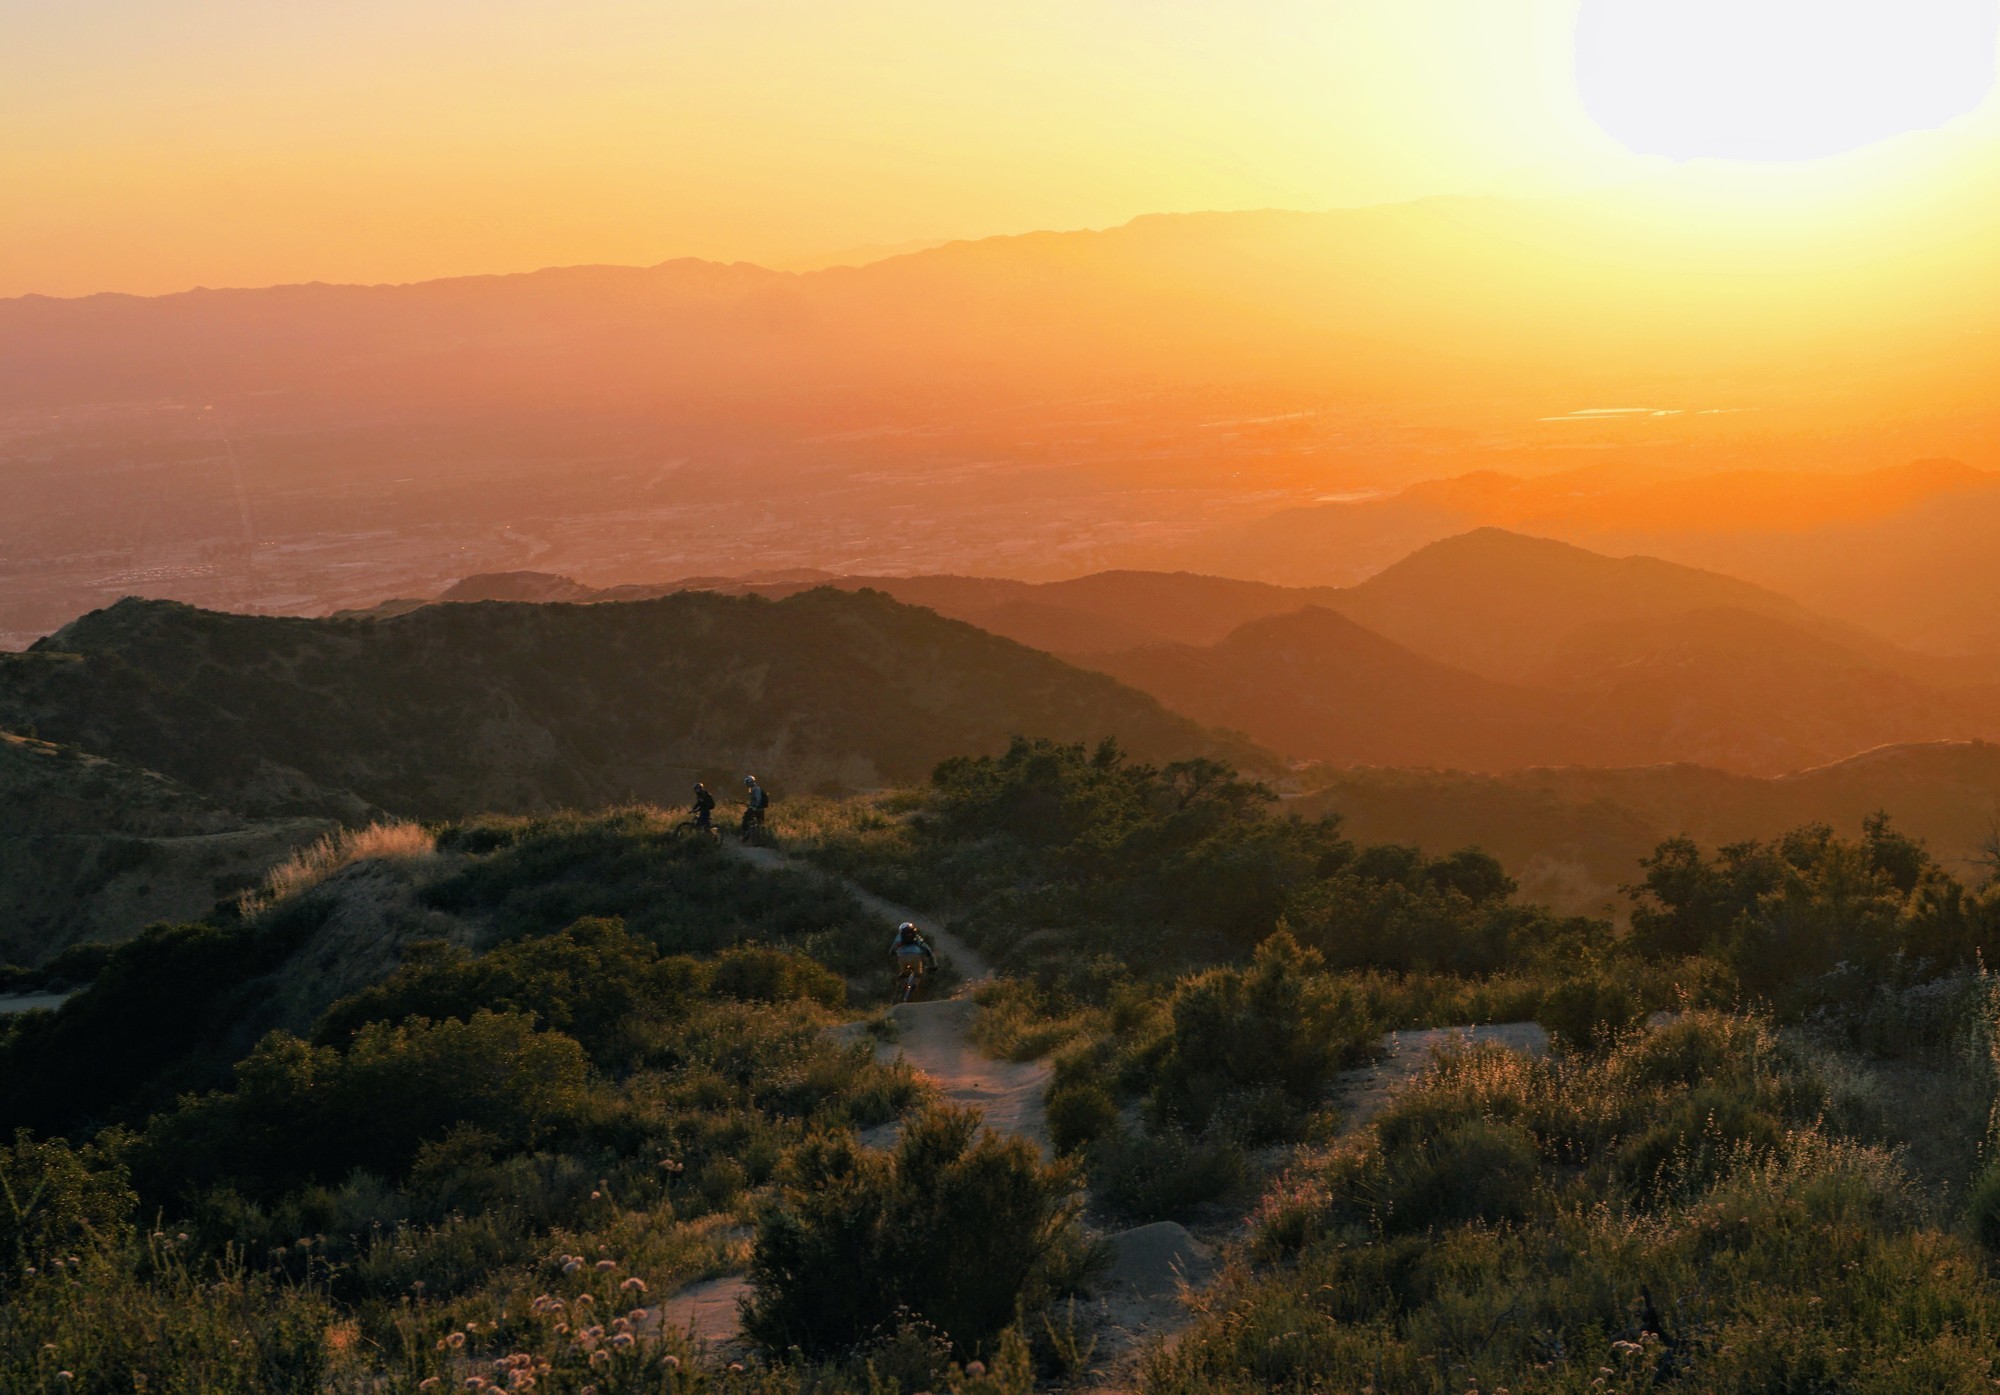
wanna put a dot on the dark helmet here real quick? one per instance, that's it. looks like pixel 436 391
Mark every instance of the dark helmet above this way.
pixel 907 930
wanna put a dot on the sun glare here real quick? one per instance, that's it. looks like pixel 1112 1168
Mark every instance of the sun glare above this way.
pixel 1780 80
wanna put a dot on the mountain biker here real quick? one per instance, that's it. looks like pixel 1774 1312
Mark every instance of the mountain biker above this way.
pixel 755 802
pixel 911 950
pixel 704 807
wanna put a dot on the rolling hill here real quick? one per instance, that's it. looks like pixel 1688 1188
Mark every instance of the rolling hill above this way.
pixel 1316 684
pixel 92 850
pixel 456 709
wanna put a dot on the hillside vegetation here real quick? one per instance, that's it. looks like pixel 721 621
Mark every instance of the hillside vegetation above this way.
pixel 470 1102
pixel 454 710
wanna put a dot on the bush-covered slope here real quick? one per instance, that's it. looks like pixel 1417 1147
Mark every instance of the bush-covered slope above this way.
pixel 465 708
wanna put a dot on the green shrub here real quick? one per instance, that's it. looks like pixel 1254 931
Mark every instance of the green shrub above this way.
pixel 1590 1011
pixel 755 973
pixel 957 1228
pixel 1079 1114
pixel 593 981
pixel 1156 1175
pixel 301 1113
pixel 1472 1170
pixel 1281 1026
pixel 1701 1138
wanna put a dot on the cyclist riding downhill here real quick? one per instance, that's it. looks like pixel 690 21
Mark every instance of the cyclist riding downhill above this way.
pixel 914 957
pixel 755 802
pixel 704 809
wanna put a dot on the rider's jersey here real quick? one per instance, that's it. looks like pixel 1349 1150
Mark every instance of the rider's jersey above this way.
pixel 909 952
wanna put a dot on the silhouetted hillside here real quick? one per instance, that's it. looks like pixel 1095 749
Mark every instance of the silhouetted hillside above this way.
pixel 1489 651
pixel 501 706
pixel 1316 684
pixel 1501 604
pixel 1902 550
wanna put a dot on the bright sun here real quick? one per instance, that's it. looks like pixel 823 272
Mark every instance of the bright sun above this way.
pixel 1780 80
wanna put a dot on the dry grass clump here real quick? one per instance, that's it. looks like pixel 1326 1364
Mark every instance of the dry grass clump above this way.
pixel 397 841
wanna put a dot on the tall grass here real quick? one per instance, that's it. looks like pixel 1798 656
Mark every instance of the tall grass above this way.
pixel 397 841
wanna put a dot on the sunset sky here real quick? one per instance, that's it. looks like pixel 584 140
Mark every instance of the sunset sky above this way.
pixel 152 145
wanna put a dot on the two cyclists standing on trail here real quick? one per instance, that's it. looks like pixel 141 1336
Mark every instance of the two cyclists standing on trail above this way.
pixel 755 803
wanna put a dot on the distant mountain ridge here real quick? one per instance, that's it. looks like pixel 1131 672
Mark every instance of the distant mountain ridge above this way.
pixel 450 710
pixel 1487 651
pixel 1901 550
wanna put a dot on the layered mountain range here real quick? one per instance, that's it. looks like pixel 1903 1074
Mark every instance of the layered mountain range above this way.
pixel 1488 651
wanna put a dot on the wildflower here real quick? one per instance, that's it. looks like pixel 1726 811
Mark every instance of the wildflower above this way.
pixel 975 1369
pixel 455 1340
pixel 633 1285
pixel 597 1196
pixel 562 1329
pixel 570 1266
pixel 605 1266
pixel 475 1382
pixel 584 1300
pixel 622 1340
pixel 182 1238
pixel 600 1357
pixel 671 1362
pixel 430 1382
pixel 736 1368
pixel 638 1316
pixel 588 1390
pixel 65 1376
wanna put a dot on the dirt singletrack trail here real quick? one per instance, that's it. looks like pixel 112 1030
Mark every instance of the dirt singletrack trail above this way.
pixel 972 967
pixel 932 1039
pixel 1142 1301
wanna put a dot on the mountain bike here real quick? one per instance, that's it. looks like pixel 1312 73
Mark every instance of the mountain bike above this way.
pixel 907 979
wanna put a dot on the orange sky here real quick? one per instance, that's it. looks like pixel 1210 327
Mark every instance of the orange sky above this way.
pixel 157 144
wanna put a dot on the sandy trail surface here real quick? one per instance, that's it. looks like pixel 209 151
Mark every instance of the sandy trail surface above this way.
pixel 28 1002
